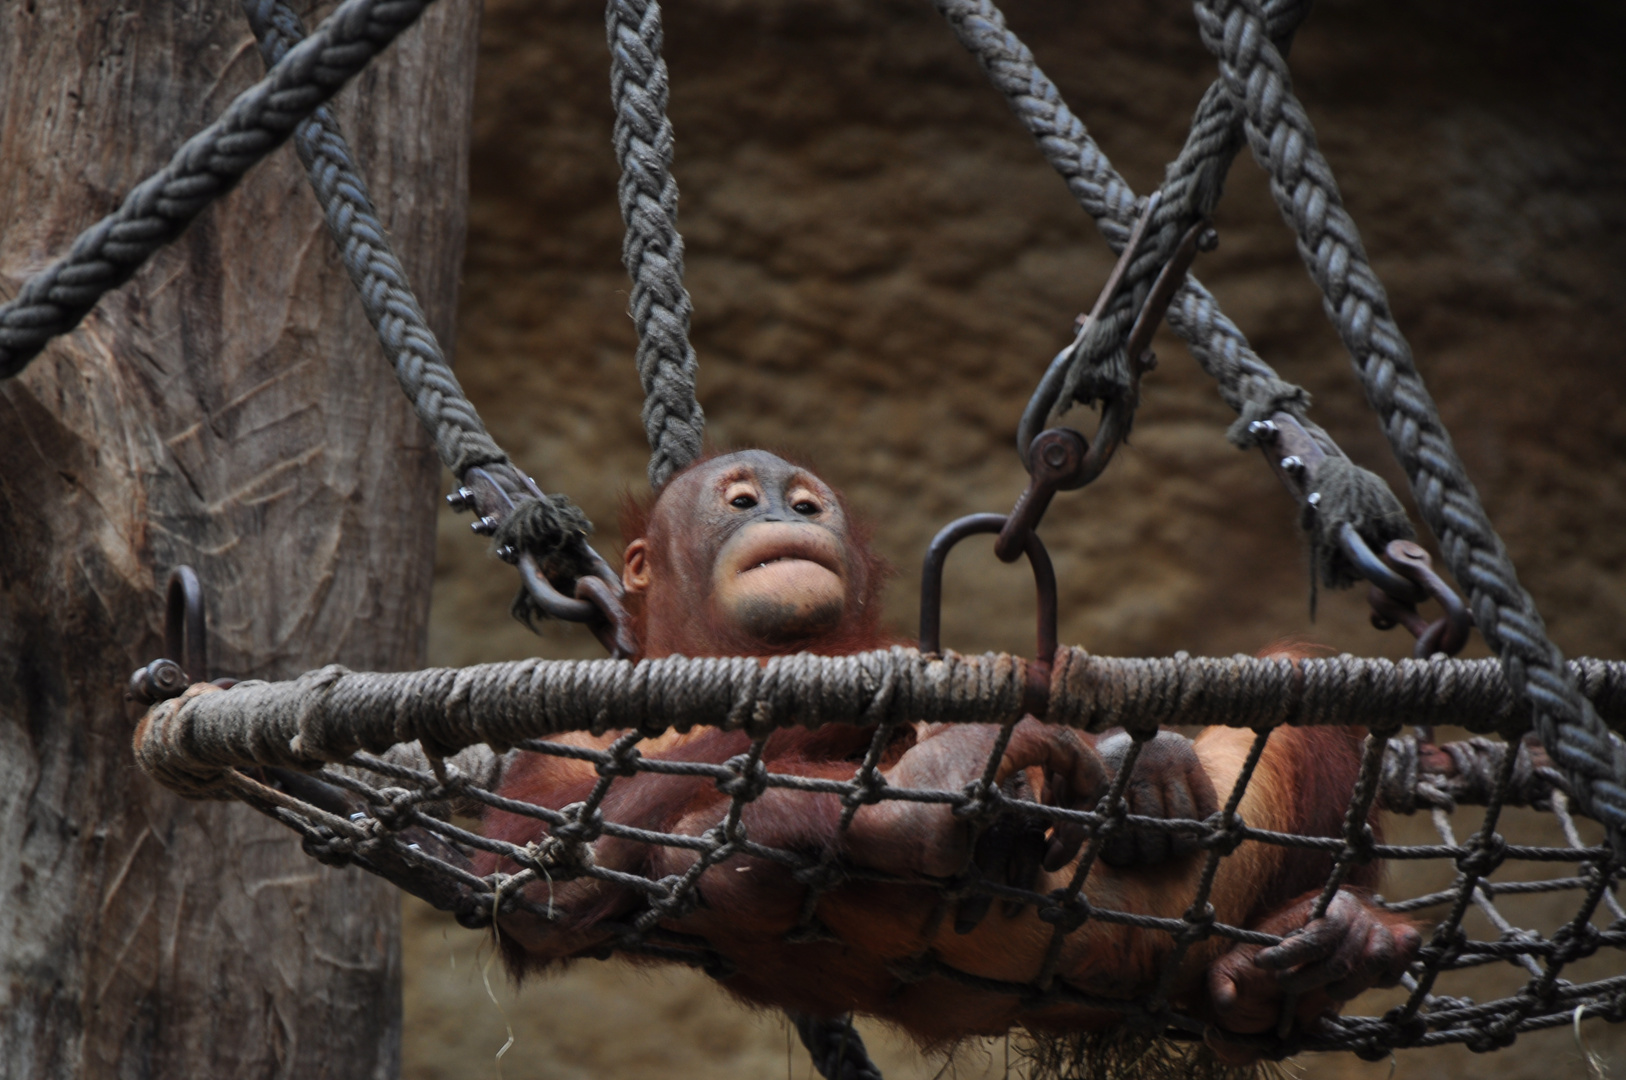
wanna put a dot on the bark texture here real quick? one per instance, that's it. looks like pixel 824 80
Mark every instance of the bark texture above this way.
pixel 228 408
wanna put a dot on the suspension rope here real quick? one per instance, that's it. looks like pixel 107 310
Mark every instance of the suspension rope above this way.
pixel 206 166
pixel 1192 186
pixel 1283 141
pixel 549 527
pixel 653 249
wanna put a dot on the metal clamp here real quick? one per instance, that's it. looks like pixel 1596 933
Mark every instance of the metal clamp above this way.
pixel 1291 452
pixel 1036 695
pixel 597 602
pixel 1401 578
pixel 1116 414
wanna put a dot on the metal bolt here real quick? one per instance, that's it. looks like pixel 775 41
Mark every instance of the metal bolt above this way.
pixel 158 681
pixel 1264 430
pixel 460 500
pixel 1055 455
pixel 507 553
pixel 1208 239
pixel 1314 498
pixel 1148 362
pixel 1293 464
pixel 485 526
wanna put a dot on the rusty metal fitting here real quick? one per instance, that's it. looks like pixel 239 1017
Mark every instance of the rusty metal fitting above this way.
pixel 1036 694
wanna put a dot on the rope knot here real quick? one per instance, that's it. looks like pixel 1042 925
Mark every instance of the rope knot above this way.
pixel 328 849
pixel 1197 926
pixel 623 763
pixel 1226 835
pixel 581 826
pixel 553 530
pixel 750 778
pixel 979 803
pixel 868 789
pixel 1067 912
pixel 1484 858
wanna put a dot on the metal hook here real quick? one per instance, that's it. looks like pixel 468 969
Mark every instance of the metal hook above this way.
pixel 1402 578
pixel 185 637
pixel 1036 697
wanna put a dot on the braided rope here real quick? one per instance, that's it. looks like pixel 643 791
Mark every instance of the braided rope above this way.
pixel 1283 141
pixel 1246 383
pixel 653 249
pixel 381 281
pixel 206 166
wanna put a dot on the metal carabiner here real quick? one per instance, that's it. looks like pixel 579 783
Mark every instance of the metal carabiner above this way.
pixel 1036 695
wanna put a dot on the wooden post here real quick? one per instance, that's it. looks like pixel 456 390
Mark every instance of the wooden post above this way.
pixel 228 408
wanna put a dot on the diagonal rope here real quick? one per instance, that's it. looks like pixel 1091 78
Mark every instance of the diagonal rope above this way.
pixel 1283 141
pixel 554 528
pixel 206 166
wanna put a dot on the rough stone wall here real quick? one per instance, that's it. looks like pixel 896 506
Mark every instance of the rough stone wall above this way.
pixel 881 265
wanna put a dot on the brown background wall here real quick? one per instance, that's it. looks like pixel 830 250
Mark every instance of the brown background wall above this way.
pixel 881 264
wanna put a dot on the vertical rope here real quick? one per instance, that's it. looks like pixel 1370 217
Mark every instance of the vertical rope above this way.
pixel 653 250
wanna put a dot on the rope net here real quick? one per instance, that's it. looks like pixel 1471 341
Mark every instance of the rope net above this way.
pixel 410 811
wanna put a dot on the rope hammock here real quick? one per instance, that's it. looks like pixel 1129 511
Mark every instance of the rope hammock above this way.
pixel 370 769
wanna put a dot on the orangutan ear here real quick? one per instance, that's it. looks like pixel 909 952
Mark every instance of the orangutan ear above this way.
pixel 635 566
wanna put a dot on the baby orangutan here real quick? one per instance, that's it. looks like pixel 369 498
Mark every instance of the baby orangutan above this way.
pixel 747 554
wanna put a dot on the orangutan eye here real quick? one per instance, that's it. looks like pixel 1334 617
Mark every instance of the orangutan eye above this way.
pixel 742 502
pixel 806 507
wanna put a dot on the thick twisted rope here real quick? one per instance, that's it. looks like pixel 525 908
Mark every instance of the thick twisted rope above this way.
pixel 552 527
pixel 1246 382
pixel 1283 141
pixel 381 281
pixel 653 250
pixel 206 167
pixel 327 715
pixel 1192 187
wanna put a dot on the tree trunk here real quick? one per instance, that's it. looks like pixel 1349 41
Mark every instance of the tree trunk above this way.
pixel 228 408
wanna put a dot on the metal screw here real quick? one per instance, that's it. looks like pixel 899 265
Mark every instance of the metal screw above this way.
pixel 1314 498
pixel 1264 430
pixel 460 500
pixel 1293 464
pixel 485 526
pixel 1208 239
pixel 507 553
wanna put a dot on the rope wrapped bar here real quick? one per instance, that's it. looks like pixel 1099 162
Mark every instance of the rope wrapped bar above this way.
pixel 389 815
pixel 327 715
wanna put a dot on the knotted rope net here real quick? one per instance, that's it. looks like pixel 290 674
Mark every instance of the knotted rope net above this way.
pixel 381 770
